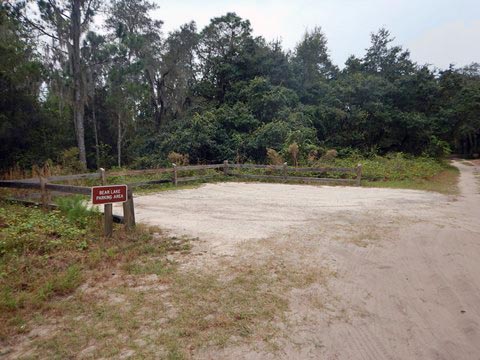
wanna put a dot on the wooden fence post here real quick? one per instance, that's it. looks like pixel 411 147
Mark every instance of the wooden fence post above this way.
pixel 225 168
pixel 45 197
pixel 285 172
pixel 175 178
pixel 107 209
pixel 359 174
pixel 103 176
pixel 129 211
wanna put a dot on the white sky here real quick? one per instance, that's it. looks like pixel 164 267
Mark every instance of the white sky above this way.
pixel 437 32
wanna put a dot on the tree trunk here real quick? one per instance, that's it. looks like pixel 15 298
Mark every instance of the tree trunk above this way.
pixel 470 144
pixel 78 99
pixel 95 131
pixel 157 96
pixel 475 143
pixel 119 140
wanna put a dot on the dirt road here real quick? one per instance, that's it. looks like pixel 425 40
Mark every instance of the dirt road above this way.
pixel 405 264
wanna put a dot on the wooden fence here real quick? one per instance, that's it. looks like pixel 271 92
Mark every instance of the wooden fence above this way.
pixel 46 186
pixel 283 173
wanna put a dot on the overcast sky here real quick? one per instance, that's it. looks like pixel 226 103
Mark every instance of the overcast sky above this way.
pixel 437 32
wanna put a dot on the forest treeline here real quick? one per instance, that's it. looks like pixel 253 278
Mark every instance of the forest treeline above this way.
pixel 131 94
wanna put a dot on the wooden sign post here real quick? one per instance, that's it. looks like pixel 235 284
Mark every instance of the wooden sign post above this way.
pixel 107 195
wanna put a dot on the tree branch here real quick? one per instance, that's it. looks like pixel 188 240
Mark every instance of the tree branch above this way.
pixel 87 13
pixel 57 10
pixel 39 28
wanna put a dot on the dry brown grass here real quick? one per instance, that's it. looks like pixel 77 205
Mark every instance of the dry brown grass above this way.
pixel 130 296
pixel 173 312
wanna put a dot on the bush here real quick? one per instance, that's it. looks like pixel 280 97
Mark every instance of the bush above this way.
pixel 392 167
pixel 274 158
pixel 106 159
pixel 75 208
pixel 330 155
pixel 437 148
pixel 178 159
pixel 31 230
pixel 293 150
pixel 70 161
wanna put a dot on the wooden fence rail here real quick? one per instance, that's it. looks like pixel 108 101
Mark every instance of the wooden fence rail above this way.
pixel 357 171
pixel 69 189
pixel 297 178
pixel 35 183
pixel 45 185
pixel 46 188
pixel 226 167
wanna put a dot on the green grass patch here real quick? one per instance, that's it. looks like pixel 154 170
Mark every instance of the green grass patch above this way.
pixel 403 172
pixel 47 255
pixel 445 182
pixel 391 171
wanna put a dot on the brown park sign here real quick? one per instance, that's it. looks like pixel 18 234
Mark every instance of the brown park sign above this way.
pixel 109 194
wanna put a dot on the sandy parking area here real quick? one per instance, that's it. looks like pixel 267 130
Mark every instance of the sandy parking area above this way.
pixel 229 213
pixel 405 264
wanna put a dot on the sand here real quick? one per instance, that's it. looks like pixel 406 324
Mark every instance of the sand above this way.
pixel 407 263
pixel 229 213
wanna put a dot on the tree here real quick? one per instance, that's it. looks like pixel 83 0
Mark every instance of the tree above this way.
pixel 178 70
pixel 221 43
pixel 20 76
pixel 312 66
pixel 311 58
pixel 140 36
pixel 64 22
pixel 391 62
pixel 96 58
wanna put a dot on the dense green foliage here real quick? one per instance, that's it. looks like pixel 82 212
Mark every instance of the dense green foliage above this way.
pixel 221 93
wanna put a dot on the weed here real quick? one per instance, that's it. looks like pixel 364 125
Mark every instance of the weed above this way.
pixel 75 208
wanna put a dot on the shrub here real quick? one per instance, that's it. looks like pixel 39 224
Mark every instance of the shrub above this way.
pixel 32 230
pixel 70 161
pixel 75 208
pixel 437 148
pixel 105 153
pixel 392 167
pixel 179 159
pixel 274 158
pixel 293 150
pixel 330 155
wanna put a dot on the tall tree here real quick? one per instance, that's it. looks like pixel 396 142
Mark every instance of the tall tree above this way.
pixel 178 69
pixel 388 61
pixel 312 59
pixel 20 77
pixel 312 65
pixel 221 43
pixel 64 22
pixel 140 36
pixel 96 57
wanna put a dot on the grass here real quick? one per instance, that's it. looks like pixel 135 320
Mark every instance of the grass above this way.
pixel 178 313
pixel 406 172
pixel 44 255
pixel 80 292
pixel 134 296
pixel 445 182
pixel 393 171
